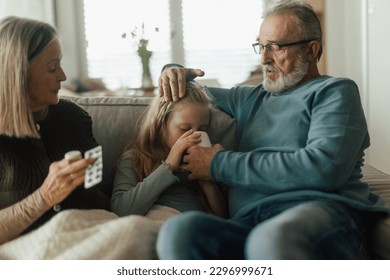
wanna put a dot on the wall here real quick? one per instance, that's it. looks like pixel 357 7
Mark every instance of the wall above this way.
pixel 344 40
pixel 35 9
pixel 357 46
pixel 378 42
pixel 70 25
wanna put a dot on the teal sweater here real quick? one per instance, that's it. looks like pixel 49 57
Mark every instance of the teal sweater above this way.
pixel 303 144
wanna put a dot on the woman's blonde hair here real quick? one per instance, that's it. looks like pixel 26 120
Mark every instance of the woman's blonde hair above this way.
pixel 149 148
pixel 21 40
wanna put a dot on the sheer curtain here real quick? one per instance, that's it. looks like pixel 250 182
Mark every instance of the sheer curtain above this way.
pixel 36 9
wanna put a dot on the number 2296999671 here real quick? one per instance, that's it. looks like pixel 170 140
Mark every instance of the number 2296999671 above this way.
pixel 240 270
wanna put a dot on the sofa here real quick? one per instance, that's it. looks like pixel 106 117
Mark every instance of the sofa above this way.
pixel 114 124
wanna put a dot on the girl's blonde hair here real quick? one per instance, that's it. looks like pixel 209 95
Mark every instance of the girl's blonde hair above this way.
pixel 21 40
pixel 149 148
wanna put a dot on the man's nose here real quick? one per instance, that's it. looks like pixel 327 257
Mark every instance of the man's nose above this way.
pixel 266 57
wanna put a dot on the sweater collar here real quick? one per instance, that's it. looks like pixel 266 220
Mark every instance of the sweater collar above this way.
pixel 41 115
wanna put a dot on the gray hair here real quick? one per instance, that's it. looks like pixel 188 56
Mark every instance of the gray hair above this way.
pixel 307 19
pixel 21 40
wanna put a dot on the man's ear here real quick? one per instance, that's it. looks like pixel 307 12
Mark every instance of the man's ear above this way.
pixel 313 50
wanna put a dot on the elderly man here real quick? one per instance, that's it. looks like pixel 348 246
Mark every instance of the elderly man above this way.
pixel 295 179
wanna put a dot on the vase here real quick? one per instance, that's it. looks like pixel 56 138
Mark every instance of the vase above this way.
pixel 147 81
pixel 147 84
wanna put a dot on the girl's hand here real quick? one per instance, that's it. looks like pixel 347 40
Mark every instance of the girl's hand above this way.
pixel 64 176
pixel 216 203
pixel 188 139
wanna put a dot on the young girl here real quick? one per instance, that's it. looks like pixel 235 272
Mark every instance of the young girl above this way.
pixel 149 179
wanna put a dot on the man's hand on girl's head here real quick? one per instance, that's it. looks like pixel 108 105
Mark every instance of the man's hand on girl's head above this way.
pixel 172 82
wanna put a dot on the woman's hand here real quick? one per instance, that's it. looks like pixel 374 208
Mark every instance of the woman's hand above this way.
pixel 188 139
pixel 64 176
pixel 172 82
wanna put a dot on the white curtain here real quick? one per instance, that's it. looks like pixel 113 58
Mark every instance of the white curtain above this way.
pixel 36 9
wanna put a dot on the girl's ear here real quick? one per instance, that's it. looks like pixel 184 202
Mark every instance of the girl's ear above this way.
pixel 313 50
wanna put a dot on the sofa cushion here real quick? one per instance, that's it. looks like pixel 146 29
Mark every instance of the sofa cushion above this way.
pixel 114 121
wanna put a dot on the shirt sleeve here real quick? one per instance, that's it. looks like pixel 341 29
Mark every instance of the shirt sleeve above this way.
pixel 130 196
pixel 19 216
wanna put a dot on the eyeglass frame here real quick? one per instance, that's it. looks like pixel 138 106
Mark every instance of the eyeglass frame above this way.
pixel 280 45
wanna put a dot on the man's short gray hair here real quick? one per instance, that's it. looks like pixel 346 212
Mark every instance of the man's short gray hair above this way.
pixel 307 19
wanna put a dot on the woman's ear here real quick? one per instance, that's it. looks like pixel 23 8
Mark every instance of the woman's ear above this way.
pixel 313 50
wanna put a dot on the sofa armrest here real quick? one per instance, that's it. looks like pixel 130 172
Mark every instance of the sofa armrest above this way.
pixel 379 183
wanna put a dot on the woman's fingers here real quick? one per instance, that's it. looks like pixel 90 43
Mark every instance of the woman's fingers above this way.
pixel 64 176
pixel 67 166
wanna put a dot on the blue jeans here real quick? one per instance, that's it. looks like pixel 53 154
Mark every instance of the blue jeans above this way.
pixel 293 230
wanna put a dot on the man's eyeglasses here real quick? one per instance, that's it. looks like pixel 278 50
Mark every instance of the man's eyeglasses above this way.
pixel 275 47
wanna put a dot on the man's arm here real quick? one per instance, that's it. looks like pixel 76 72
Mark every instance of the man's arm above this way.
pixel 334 146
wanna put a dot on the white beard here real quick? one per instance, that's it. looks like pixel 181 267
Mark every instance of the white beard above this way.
pixel 284 82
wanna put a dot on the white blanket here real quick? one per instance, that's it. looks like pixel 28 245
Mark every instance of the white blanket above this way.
pixel 89 234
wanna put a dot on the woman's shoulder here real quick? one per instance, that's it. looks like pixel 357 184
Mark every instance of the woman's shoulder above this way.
pixel 65 104
pixel 68 107
pixel 69 113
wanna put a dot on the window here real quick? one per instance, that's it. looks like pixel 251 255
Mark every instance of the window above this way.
pixel 218 35
pixel 215 36
pixel 114 58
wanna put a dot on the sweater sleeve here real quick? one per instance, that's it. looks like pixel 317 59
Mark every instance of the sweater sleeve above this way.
pixel 130 196
pixel 231 100
pixel 17 217
pixel 334 145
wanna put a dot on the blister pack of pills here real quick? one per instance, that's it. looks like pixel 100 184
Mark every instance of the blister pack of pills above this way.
pixel 94 172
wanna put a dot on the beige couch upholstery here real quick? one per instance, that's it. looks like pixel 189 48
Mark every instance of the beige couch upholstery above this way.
pixel 114 124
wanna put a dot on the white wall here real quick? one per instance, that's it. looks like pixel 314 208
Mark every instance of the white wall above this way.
pixel 378 42
pixel 344 40
pixel 36 9
pixel 70 25
pixel 357 44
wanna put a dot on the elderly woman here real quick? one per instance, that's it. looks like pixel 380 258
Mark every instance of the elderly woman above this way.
pixel 41 203
pixel 36 130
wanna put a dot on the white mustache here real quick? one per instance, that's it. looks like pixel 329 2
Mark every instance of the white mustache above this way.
pixel 269 68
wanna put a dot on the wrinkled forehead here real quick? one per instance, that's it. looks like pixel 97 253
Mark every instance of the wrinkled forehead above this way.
pixel 279 28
